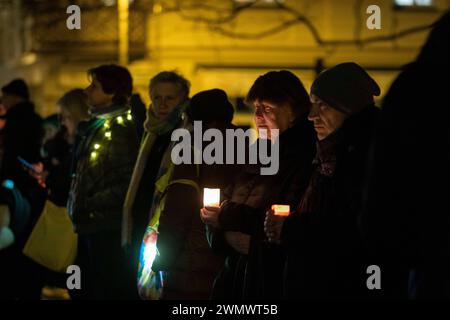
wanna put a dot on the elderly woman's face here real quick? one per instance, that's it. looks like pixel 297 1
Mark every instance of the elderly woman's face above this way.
pixel 326 119
pixel 269 115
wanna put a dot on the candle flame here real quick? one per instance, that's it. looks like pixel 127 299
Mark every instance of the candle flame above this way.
pixel 281 210
pixel 211 197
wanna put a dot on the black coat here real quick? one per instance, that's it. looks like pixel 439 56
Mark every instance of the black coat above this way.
pixel 326 252
pixel 23 135
pixel 409 185
pixel 407 219
pixel 257 275
pixel 58 163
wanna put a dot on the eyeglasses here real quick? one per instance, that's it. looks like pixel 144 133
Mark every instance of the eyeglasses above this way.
pixel 263 109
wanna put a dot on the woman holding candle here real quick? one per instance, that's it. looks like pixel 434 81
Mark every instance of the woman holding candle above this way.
pixel 184 255
pixel 235 229
pixel 326 255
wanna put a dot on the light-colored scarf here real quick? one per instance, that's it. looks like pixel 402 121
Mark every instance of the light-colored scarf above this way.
pixel 154 128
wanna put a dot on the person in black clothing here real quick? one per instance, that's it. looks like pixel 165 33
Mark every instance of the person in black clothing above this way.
pixel 138 112
pixel 253 266
pixel 53 174
pixel 23 135
pixel 326 253
pixel 73 109
pixel 406 218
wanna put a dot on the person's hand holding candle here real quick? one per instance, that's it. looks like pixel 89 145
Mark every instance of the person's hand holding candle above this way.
pixel 273 224
pixel 211 202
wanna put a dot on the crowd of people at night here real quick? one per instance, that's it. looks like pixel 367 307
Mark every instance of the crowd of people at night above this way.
pixel 366 186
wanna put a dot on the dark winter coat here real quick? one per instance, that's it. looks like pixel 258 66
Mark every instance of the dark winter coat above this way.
pixel 58 163
pixel 102 175
pixel 185 254
pixel 407 220
pixel 257 275
pixel 326 252
pixel 23 135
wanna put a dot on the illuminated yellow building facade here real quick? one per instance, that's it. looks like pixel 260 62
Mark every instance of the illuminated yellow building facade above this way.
pixel 224 43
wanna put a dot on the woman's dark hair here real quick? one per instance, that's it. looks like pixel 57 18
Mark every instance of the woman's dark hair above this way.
pixel 115 80
pixel 280 87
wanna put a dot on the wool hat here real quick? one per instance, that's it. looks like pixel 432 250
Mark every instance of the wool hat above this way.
pixel 211 105
pixel 346 87
pixel 17 87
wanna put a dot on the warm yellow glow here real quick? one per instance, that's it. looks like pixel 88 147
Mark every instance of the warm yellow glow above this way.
pixel 106 125
pixel 94 155
pixel 96 146
pixel 29 58
pixel 211 197
pixel 157 8
pixel 281 210
pixel 119 120
pixel 108 134
pixel 123 31
pixel 129 117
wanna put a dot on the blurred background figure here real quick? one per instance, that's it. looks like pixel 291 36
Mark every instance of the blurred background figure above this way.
pixel 407 217
pixel 51 126
pixel 2 126
pixel 53 174
pixel 73 109
pixel 22 137
pixel 138 111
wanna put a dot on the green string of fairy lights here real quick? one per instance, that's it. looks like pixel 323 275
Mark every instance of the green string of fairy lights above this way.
pixel 108 134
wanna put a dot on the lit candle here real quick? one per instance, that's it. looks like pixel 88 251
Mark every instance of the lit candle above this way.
pixel 281 210
pixel 211 197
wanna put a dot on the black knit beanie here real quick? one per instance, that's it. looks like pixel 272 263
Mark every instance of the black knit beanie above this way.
pixel 17 87
pixel 346 87
pixel 211 105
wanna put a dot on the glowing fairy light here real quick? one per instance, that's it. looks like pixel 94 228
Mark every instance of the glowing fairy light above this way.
pixel 96 146
pixel 119 120
pixel 94 155
pixel 108 134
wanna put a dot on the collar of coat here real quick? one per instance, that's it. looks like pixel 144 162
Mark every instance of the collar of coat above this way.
pixel 355 134
pixel 108 112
